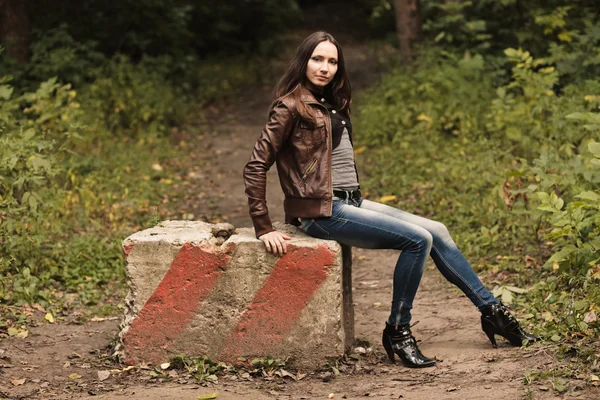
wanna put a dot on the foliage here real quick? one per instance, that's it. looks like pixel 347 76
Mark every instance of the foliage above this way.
pixel 510 167
pixel 568 32
pixel 134 97
pixel 55 53
pixel 205 370
pixel 69 192
pixel 169 27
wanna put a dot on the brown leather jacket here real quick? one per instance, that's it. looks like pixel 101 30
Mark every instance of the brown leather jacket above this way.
pixel 303 157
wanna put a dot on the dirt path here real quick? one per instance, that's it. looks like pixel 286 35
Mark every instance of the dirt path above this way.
pixel 468 368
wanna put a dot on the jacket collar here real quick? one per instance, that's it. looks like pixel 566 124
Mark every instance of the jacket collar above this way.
pixel 307 97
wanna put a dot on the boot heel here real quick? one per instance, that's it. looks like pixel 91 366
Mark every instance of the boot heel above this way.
pixel 388 349
pixel 490 335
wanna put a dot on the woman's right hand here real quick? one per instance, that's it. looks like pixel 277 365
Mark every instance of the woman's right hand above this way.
pixel 275 242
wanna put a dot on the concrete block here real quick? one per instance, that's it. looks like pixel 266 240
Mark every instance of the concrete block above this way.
pixel 211 290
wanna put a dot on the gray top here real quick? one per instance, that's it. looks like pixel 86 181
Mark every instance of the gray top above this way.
pixel 342 165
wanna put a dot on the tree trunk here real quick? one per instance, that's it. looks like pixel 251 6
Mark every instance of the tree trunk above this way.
pixel 15 29
pixel 408 27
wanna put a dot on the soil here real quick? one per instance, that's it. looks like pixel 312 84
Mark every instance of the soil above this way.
pixel 42 366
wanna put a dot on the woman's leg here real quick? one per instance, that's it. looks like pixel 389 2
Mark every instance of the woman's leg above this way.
pixel 447 257
pixel 361 227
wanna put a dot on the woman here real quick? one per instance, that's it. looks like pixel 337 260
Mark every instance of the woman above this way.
pixel 309 136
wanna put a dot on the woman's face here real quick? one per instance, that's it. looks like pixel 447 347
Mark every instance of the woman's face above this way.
pixel 322 65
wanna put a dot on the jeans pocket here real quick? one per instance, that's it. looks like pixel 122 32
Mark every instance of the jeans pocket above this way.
pixel 305 223
pixel 312 228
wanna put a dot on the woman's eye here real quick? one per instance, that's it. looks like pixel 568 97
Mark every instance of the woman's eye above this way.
pixel 333 62
pixel 316 58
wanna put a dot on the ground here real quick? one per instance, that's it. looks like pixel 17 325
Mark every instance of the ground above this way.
pixel 63 360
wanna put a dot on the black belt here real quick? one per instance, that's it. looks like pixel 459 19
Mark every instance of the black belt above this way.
pixel 347 194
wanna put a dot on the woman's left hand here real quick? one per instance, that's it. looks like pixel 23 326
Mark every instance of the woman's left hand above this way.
pixel 275 242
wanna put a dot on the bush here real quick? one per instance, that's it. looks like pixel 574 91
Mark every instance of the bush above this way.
pixel 134 98
pixel 506 166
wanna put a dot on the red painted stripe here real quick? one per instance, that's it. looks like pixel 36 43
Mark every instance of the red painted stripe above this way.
pixel 174 303
pixel 278 305
pixel 127 250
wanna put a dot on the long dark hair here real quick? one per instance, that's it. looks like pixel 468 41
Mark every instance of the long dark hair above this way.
pixel 338 90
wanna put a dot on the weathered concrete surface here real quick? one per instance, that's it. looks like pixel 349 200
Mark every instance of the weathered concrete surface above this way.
pixel 192 292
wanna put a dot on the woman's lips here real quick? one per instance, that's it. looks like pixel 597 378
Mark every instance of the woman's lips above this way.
pixel 321 78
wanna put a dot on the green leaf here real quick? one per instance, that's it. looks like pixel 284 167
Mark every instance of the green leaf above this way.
pixel 594 148
pixel 29 134
pixel 595 243
pixel 5 92
pixel 587 117
pixel 546 208
pixel 543 196
pixel 12 162
pixel 516 289
pixel 588 195
pixel 580 305
pixel 562 254
pixel 39 163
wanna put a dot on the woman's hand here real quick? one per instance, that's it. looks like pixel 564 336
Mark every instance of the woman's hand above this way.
pixel 275 242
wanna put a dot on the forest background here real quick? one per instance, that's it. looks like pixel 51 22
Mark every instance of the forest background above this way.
pixel 487 117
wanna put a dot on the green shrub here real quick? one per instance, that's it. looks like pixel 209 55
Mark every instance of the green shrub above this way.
pixel 506 166
pixel 134 98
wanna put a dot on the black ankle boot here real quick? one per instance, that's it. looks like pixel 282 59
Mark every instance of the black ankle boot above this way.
pixel 497 320
pixel 399 340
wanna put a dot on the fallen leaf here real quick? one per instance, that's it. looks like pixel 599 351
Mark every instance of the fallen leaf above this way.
pixel 49 317
pixel 173 374
pixel 516 289
pixel 300 376
pixel 126 369
pixel 157 167
pixel 12 331
pixel 103 375
pixel 387 199
pixel 74 376
pixel 38 307
pixel 164 366
pixel 207 396
pixel 67 364
pixel 594 377
pixel 23 334
pixel 590 317
pixel 17 382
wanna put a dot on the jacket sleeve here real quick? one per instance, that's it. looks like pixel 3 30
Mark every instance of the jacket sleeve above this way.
pixel 272 138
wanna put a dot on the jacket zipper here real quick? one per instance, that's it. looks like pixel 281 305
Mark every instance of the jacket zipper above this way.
pixel 328 126
pixel 310 168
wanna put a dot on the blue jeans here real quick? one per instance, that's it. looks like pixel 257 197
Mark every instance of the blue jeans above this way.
pixel 371 225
